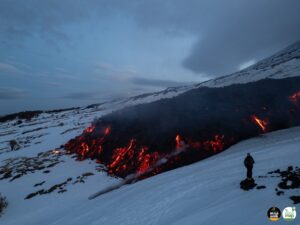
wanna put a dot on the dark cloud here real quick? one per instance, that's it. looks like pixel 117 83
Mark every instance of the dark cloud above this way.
pixel 155 82
pixel 8 93
pixel 255 30
pixel 229 32
pixel 44 18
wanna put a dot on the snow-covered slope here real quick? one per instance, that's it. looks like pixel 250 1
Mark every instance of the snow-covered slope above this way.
pixel 196 194
pixel 285 63
pixel 203 193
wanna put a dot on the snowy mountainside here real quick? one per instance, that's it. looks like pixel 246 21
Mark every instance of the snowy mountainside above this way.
pixel 40 132
pixel 184 196
pixel 206 192
pixel 45 186
pixel 203 193
pixel 283 64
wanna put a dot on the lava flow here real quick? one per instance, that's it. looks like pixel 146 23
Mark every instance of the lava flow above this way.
pixel 261 123
pixel 148 139
pixel 133 158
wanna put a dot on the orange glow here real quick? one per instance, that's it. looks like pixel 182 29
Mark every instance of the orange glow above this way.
pixel 107 131
pixel 178 141
pixel 147 161
pixel 89 129
pixel 84 149
pixel 294 98
pixel 217 144
pixel 261 123
pixel 120 154
pixel 132 158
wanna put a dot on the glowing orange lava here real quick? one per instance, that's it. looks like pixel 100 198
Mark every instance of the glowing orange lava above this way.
pixel 217 144
pixel 261 123
pixel 106 130
pixel 135 158
pixel 121 153
pixel 178 141
pixel 89 129
pixel 294 98
pixel 84 149
pixel 147 161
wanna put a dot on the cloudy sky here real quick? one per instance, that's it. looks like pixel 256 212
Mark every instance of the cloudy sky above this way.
pixel 63 53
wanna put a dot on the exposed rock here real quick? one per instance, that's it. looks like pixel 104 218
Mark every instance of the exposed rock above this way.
pixel 261 187
pixel 247 184
pixel 296 199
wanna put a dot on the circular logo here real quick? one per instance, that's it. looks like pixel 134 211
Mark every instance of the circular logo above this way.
pixel 274 214
pixel 289 213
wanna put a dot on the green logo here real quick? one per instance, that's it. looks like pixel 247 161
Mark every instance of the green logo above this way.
pixel 289 213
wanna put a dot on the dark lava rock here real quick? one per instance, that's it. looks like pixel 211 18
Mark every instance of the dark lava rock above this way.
pixel 39 184
pixel 290 181
pixel 275 171
pixel 296 199
pixel 279 193
pixel 6 175
pixel 247 184
pixel 261 187
pixel 15 177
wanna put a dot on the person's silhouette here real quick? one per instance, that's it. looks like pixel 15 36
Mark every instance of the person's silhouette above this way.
pixel 248 162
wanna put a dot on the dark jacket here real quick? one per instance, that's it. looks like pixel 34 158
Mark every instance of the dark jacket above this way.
pixel 249 161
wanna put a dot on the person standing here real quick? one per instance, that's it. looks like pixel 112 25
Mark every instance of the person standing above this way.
pixel 249 162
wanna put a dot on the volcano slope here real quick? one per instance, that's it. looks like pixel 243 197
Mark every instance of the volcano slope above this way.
pixel 205 192
pixel 198 123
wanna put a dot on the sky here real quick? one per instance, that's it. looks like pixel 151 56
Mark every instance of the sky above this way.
pixel 65 53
